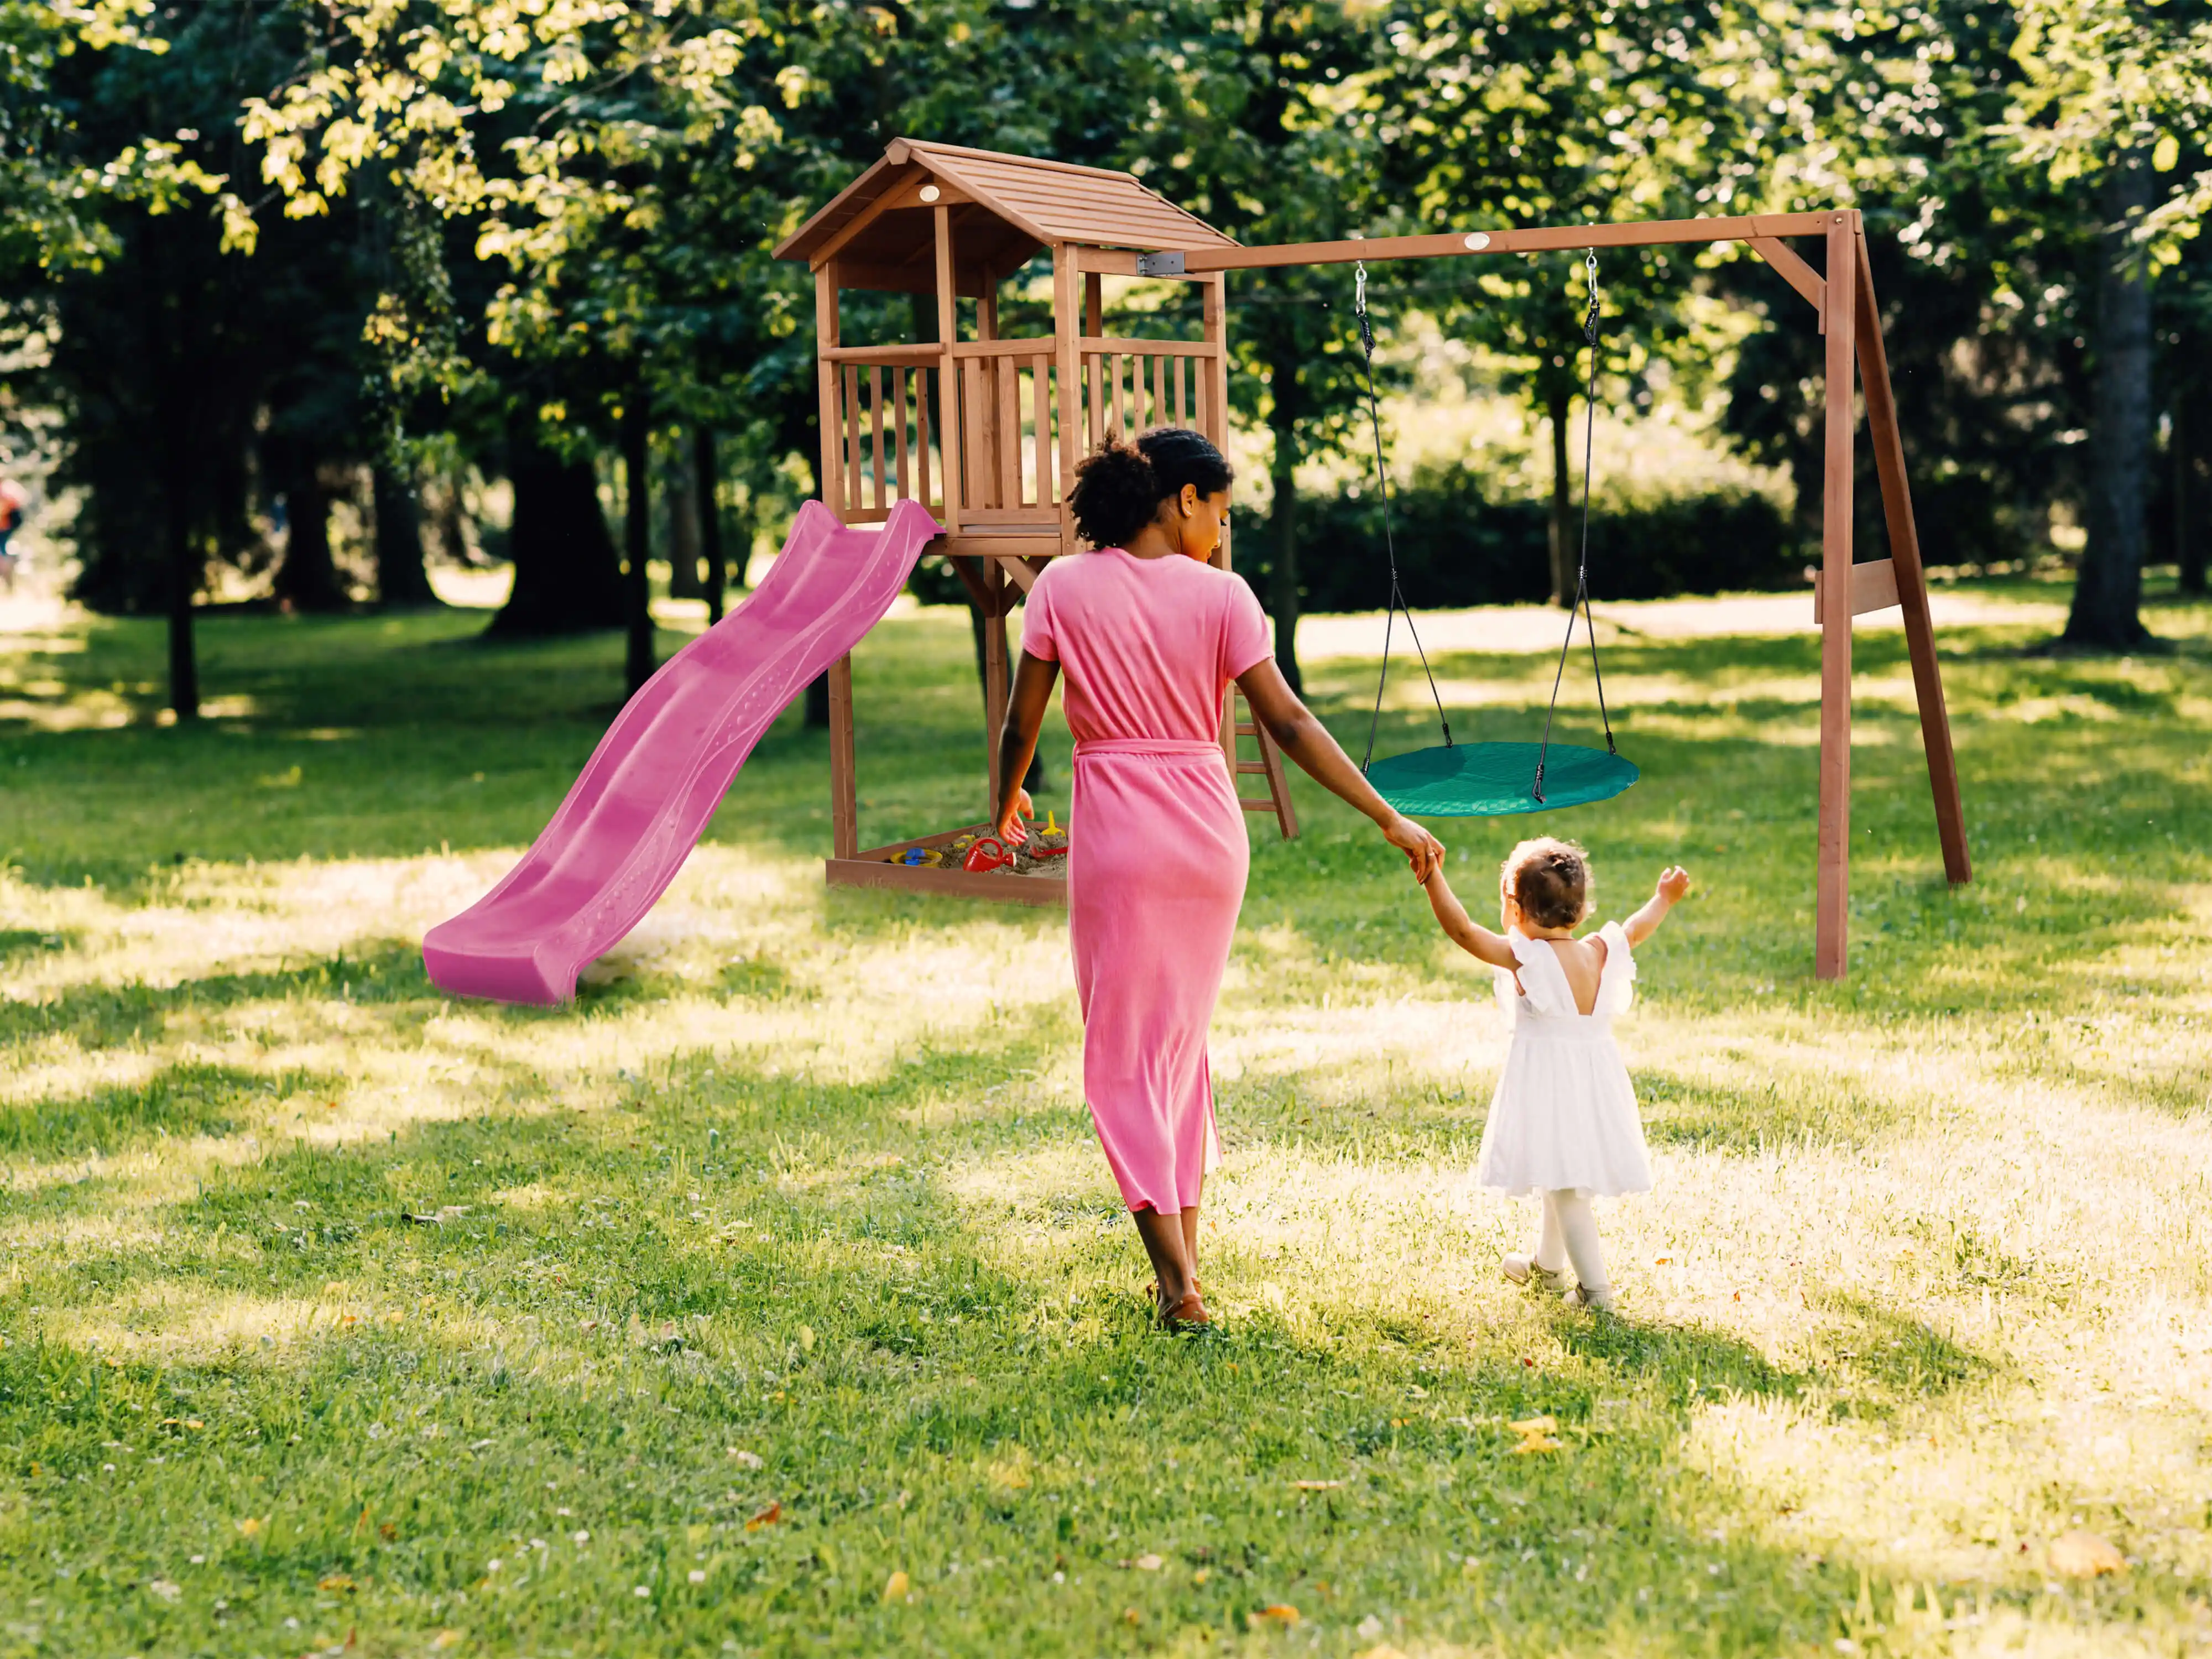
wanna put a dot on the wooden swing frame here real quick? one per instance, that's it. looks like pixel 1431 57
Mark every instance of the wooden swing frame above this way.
pixel 1105 234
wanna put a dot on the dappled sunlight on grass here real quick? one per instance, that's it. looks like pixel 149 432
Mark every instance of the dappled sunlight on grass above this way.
pixel 798 1206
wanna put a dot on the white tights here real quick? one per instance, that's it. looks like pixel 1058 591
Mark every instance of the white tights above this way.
pixel 1569 1234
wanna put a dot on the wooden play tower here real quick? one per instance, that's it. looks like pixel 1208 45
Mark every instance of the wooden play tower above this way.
pixel 986 431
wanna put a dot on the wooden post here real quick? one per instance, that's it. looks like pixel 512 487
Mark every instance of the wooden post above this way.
pixel 1067 403
pixel 950 440
pixel 1832 905
pixel 995 673
pixel 844 799
pixel 1911 576
pixel 1213 420
pixel 831 476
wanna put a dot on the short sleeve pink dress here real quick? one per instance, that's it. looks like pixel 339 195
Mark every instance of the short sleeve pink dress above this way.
pixel 1157 849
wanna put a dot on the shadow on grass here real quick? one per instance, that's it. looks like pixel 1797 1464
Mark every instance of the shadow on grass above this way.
pixel 1699 1115
pixel 190 1098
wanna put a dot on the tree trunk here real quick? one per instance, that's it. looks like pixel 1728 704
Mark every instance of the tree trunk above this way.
pixel 707 492
pixel 1557 407
pixel 2108 593
pixel 186 569
pixel 2189 525
pixel 680 491
pixel 1283 520
pixel 308 579
pixel 401 580
pixel 567 577
pixel 637 513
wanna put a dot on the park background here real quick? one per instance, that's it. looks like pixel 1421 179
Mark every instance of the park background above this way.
pixel 388 378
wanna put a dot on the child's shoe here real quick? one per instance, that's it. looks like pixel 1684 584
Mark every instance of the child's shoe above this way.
pixel 1522 1268
pixel 1583 1297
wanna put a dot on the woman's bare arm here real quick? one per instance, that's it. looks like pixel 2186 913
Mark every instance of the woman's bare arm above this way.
pixel 1307 741
pixel 1673 882
pixel 1033 678
pixel 1470 935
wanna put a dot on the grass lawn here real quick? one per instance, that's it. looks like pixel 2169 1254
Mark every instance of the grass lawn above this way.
pixel 776 1299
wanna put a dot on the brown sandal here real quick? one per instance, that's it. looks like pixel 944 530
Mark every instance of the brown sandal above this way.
pixel 1188 1315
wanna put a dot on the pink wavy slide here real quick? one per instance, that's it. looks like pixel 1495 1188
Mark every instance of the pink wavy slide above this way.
pixel 645 794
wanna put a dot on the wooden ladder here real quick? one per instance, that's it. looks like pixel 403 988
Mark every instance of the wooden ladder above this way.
pixel 1236 725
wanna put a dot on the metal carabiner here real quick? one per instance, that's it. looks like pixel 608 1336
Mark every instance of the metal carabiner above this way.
pixel 1359 288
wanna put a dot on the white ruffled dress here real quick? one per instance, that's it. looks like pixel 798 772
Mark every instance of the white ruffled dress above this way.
pixel 1565 1114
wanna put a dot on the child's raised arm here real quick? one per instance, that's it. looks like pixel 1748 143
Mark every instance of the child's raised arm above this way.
pixel 1673 882
pixel 1467 933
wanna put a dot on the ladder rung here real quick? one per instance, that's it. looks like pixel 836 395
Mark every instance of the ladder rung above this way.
pixel 1251 766
pixel 1244 731
pixel 1261 804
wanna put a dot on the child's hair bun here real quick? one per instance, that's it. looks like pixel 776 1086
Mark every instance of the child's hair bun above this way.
pixel 1549 880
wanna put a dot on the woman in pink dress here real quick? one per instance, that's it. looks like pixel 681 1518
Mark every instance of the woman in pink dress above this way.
pixel 1149 635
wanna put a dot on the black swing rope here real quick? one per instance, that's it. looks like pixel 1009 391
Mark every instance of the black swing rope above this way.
pixel 1582 569
pixel 1389 549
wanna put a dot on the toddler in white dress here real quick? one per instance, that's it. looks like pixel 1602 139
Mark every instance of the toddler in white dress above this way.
pixel 1563 1124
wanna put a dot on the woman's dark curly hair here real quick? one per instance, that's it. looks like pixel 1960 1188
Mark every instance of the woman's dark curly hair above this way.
pixel 1120 486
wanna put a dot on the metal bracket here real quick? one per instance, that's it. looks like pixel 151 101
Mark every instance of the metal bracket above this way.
pixel 1159 265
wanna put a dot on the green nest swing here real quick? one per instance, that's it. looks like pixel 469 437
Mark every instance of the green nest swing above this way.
pixel 1491 779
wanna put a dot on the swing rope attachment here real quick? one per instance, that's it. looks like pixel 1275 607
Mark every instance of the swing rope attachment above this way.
pixel 1397 604
pixel 1582 571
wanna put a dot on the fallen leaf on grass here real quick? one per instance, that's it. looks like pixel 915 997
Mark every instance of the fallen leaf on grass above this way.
pixel 896 1587
pixel 2085 1555
pixel 1315 1485
pixel 446 1638
pixel 1130 1615
pixel 1529 1425
pixel 1279 1613
pixel 1146 1564
pixel 747 1460
pixel 767 1517
pixel 1536 1442
pixel 336 1581
pixel 251 1527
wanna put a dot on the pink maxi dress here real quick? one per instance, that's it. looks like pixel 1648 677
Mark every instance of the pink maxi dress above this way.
pixel 1157 853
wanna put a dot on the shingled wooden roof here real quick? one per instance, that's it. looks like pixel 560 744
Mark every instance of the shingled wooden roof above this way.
pixel 1005 209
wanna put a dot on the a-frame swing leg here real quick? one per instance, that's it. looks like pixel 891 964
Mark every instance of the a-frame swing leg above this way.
pixel 1833 900
pixel 1911 578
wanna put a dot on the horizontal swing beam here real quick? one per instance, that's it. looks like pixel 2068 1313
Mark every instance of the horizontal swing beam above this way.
pixel 1743 228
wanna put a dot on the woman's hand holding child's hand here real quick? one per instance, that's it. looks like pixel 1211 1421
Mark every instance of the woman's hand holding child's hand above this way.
pixel 1422 850
pixel 1016 807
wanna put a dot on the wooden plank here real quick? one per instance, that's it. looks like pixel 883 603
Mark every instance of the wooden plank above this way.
pixel 968 281
pixel 827 249
pixel 825 341
pixel 876 420
pixel 1214 417
pixel 1027 346
pixel 1279 786
pixel 1174 374
pixel 1091 342
pixel 948 383
pixel 1042 890
pixel 1159 391
pixel 900 381
pixel 1037 519
pixel 1025 542
pixel 994 676
pixel 1007 373
pixel 909 195
pixel 844 797
pixel 1831 904
pixel 1533 239
pixel 1873 587
pixel 1023 575
pixel 1041 419
pixel 1795 272
pixel 970 572
pixel 1068 379
pixel 1121 423
pixel 922 391
pixel 908 355
pixel 1911 576
pixel 852 391
pixel 1094 304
